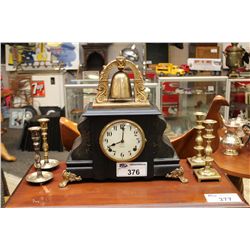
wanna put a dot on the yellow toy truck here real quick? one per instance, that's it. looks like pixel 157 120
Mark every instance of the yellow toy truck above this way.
pixel 165 69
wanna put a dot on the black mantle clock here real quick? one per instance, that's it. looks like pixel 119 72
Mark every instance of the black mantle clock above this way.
pixel 122 134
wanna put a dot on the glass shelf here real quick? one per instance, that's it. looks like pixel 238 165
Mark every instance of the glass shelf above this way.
pixel 79 93
pixel 182 96
pixel 239 97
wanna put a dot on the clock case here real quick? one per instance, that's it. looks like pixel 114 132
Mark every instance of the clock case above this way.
pixel 87 160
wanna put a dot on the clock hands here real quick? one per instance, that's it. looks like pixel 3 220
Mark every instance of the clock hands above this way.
pixel 123 128
pixel 113 144
pixel 121 141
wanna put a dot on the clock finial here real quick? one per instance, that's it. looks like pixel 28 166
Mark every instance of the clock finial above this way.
pixel 120 93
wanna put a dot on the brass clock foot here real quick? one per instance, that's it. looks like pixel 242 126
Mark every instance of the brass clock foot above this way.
pixel 177 173
pixel 68 177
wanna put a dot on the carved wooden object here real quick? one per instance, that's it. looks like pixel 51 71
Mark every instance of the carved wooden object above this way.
pixel 183 144
pixel 69 132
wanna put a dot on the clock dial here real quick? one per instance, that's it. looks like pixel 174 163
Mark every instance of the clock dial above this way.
pixel 122 140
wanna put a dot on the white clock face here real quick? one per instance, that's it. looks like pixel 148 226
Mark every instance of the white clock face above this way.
pixel 122 140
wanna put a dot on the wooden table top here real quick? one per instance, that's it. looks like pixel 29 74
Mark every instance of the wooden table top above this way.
pixel 155 193
pixel 238 165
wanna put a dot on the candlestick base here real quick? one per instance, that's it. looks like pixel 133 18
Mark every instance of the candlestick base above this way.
pixel 231 152
pixel 35 178
pixel 196 162
pixel 49 165
pixel 207 174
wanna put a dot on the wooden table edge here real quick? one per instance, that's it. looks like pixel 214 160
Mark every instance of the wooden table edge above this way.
pixel 243 204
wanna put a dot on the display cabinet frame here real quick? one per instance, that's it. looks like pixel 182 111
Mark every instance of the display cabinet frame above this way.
pixel 86 89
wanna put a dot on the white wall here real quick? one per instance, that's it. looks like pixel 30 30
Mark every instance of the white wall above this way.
pixel 178 56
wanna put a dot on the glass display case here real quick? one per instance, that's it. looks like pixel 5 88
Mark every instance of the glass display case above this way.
pixel 182 96
pixel 78 93
pixel 239 97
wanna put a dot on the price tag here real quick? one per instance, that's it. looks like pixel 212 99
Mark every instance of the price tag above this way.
pixel 131 169
pixel 227 198
pixel 210 88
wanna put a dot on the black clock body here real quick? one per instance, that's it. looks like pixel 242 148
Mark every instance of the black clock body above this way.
pixel 87 160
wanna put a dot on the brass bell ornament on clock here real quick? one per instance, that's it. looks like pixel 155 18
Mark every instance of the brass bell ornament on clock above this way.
pixel 120 93
pixel 122 133
pixel 120 89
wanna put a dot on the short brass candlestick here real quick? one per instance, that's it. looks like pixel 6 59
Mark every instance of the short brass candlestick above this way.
pixel 207 172
pixel 198 160
pixel 46 163
pixel 39 176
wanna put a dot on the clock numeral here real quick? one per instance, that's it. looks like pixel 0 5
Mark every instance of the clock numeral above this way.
pixel 135 132
pixel 130 127
pixel 122 126
pixel 138 140
pixel 109 133
pixel 106 140
pixel 115 128
pixel 135 148
pixel 129 152
pixel 114 152
pixel 122 155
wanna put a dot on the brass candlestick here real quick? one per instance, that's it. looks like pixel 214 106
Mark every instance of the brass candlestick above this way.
pixel 39 176
pixel 46 163
pixel 198 160
pixel 207 172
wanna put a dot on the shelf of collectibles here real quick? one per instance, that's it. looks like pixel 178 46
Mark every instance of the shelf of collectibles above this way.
pixel 239 97
pixel 182 96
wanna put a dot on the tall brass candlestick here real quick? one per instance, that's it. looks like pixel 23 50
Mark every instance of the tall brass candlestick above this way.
pixel 207 172
pixel 39 176
pixel 44 125
pixel 198 160
pixel 46 163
